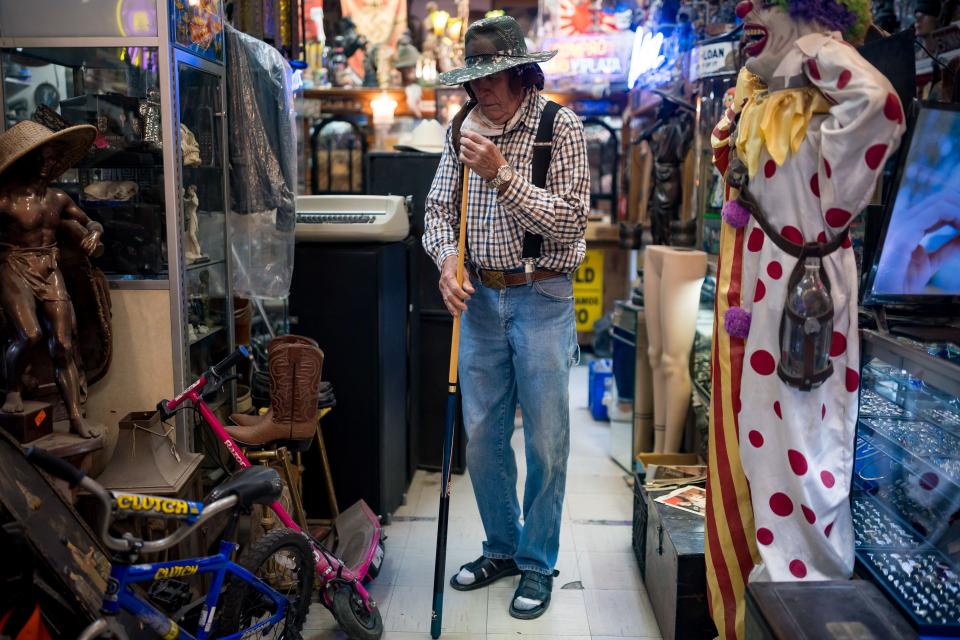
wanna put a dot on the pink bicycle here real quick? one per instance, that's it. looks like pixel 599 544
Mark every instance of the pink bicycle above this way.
pixel 356 535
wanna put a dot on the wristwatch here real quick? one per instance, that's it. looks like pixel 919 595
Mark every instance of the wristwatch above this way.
pixel 504 175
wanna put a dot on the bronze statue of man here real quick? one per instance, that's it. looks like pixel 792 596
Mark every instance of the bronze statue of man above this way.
pixel 32 291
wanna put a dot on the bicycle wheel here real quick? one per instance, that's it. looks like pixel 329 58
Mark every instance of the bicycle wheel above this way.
pixel 284 560
pixel 353 617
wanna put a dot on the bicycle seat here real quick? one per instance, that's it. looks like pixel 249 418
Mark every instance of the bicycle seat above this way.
pixel 251 485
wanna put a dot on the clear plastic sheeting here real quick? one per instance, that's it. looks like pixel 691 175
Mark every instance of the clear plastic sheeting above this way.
pixel 263 167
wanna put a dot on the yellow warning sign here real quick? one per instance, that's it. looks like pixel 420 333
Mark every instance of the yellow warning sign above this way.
pixel 588 290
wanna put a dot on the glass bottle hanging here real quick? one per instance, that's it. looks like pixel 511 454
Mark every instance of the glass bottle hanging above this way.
pixel 806 329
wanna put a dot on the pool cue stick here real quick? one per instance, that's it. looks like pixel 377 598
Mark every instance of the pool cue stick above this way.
pixel 440 567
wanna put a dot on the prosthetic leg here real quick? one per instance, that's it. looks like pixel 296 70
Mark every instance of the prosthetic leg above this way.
pixel 671 294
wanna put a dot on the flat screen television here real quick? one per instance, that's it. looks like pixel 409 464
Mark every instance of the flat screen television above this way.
pixel 918 259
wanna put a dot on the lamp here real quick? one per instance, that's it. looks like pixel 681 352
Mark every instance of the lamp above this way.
pixel 384 107
pixel 439 20
pixel 454 29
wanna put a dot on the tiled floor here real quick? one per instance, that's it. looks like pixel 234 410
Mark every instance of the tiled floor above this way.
pixel 598 595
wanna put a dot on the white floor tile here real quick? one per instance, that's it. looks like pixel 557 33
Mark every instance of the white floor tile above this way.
pixel 600 506
pixel 529 636
pixel 463 611
pixel 604 538
pixel 417 567
pixel 397 534
pixel 400 635
pixel 598 483
pixel 462 533
pixel 567 615
pixel 617 571
pixel 621 613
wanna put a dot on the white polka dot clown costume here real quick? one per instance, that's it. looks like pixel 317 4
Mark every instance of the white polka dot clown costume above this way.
pixel 801 151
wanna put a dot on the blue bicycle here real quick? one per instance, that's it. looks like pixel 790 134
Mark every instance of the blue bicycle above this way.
pixel 265 594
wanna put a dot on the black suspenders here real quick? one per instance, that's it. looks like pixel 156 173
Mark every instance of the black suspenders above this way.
pixel 542 152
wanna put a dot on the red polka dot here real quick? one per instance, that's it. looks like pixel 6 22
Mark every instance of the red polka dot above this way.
pixel 844 78
pixel 853 380
pixel 764 536
pixel 828 529
pixel 874 155
pixel 827 479
pixel 892 109
pixel 769 168
pixel 798 569
pixel 737 406
pixel 762 362
pixel 760 291
pixel 929 481
pixel 821 237
pixel 826 167
pixel 755 241
pixel 808 514
pixel 823 411
pixel 797 461
pixel 838 217
pixel 815 184
pixel 781 504
pixel 776 409
pixel 792 234
pixel 846 243
pixel 813 69
pixel 774 270
pixel 838 344
pixel 756 438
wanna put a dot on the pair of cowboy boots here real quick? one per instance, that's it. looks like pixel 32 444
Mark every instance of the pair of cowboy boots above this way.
pixel 295 365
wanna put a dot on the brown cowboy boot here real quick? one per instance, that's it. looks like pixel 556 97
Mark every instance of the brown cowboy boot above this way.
pixel 294 390
pixel 248 420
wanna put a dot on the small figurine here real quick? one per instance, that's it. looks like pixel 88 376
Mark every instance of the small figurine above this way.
pixel 191 243
pixel 189 147
pixel 32 291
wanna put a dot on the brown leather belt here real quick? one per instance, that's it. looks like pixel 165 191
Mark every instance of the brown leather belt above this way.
pixel 504 279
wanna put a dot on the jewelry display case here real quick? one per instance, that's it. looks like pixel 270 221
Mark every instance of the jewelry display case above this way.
pixel 150 77
pixel 906 485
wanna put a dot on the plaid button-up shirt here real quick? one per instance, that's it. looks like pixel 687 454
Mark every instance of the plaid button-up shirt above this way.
pixel 496 222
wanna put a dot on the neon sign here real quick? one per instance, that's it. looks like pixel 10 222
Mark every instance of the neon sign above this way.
pixel 646 55
pixel 137 17
pixel 589 58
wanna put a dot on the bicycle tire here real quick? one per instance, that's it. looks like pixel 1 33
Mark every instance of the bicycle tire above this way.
pixel 353 618
pixel 238 594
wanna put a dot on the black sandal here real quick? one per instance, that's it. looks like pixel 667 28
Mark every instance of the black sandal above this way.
pixel 533 586
pixel 486 571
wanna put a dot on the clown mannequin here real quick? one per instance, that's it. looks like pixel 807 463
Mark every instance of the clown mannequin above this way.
pixel 810 130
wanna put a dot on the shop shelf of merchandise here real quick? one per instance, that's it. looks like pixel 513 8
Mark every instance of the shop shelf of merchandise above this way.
pixel 156 93
pixel 937 372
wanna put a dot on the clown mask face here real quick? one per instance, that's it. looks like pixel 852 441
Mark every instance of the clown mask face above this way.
pixel 768 33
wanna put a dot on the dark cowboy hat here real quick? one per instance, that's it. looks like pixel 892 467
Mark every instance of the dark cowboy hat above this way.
pixel 493 45
pixel 673 93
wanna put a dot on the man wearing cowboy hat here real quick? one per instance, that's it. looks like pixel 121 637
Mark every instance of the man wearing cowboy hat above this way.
pixel 31 157
pixel 518 335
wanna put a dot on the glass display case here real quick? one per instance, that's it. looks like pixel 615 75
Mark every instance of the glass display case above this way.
pixel 703 341
pixel 155 177
pixel 906 485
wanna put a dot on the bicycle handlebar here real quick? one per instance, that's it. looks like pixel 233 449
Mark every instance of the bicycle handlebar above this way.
pixel 55 466
pixel 63 470
pixel 234 359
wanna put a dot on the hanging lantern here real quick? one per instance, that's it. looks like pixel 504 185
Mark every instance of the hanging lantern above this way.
pixel 806 329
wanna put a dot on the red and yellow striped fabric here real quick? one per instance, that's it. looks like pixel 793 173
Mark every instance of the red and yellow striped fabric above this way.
pixel 731 548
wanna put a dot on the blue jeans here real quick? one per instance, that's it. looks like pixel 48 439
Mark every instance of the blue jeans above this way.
pixel 517 345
